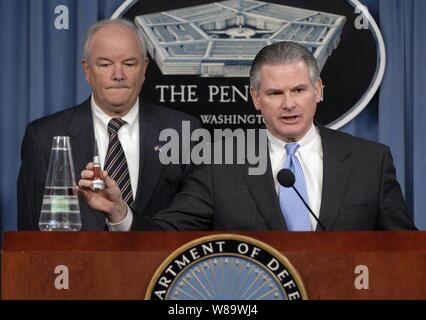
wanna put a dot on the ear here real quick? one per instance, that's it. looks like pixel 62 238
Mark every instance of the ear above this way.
pixel 145 64
pixel 255 97
pixel 318 91
pixel 85 66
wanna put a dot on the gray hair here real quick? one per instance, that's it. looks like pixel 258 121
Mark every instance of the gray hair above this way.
pixel 110 22
pixel 283 53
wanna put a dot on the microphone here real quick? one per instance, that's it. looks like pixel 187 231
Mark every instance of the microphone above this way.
pixel 286 178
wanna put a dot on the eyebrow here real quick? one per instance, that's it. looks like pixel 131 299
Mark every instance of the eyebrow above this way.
pixel 302 85
pixel 131 59
pixel 107 59
pixel 298 86
pixel 270 90
pixel 102 58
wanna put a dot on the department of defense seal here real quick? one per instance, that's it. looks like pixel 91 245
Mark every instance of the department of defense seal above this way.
pixel 226 267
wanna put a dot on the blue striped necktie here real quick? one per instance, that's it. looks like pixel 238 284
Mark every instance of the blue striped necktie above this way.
pixel 115 161
pixel 295 213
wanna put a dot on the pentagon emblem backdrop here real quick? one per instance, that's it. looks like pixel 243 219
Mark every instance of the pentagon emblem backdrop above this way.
pixel 371 58
pixel 201 54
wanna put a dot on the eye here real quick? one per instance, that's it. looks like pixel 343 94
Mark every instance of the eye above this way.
pixel 274 93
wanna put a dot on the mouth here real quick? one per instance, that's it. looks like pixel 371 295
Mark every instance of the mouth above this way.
pixel 290 119
pixel 119 87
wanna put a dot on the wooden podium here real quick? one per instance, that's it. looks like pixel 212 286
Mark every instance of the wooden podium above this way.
pixel 106 265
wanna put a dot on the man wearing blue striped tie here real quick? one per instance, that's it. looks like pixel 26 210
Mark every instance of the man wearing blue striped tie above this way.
pixel 349 183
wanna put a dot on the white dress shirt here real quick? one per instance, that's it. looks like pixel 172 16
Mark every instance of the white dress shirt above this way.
pixel 310 156
pixel 129 139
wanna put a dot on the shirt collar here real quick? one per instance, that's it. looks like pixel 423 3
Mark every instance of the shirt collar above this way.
pixel 305 144
pixel 130 118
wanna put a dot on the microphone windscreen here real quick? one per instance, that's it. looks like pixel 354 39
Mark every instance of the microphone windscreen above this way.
pixel 286 178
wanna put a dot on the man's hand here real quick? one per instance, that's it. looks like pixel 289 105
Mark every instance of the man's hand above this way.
pixel 108 200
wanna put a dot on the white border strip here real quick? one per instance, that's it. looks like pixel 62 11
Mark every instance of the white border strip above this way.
pixel 123 8
pixel 378 75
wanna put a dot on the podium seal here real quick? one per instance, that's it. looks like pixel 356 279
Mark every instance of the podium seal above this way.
pixel 226 267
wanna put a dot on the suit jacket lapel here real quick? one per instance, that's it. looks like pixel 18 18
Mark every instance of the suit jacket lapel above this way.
pixel 336 176
pixel 263 192
pixel 82 143
pixel 149 165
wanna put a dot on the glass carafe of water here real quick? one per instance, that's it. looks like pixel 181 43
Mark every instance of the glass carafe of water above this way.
pixel 60 210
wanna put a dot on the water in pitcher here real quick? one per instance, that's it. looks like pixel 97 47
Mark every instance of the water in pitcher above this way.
pixel 60 210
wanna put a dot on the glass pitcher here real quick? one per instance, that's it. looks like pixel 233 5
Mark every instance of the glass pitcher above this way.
pixel 60 210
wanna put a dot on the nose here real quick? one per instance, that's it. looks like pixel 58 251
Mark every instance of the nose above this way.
pixel 118 73
pixel 288 102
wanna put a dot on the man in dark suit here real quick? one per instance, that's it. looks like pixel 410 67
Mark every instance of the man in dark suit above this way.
pixel 115 63
pixel 349 182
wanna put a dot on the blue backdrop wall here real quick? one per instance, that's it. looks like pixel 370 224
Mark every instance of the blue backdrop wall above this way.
pixel 42 74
